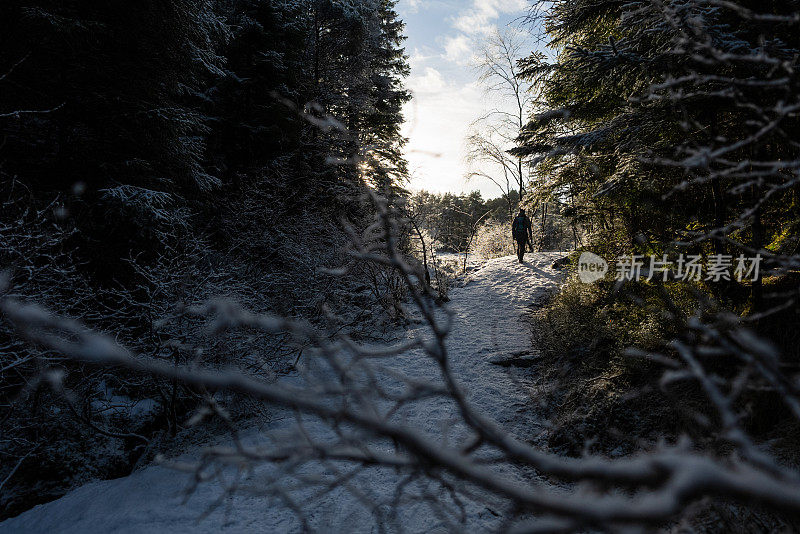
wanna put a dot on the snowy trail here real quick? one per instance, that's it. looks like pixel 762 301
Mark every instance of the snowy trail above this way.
pixel 488 326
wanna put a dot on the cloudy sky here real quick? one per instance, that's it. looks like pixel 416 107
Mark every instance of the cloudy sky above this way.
pixel 442 38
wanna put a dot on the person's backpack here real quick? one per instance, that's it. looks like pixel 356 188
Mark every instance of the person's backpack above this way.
pixel 518 227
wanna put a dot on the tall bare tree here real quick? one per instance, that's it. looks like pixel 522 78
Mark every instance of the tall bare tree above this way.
pixel 513 98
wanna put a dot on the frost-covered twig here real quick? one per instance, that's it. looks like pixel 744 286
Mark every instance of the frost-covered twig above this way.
pixel 346 419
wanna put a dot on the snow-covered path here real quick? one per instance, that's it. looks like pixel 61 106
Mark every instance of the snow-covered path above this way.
pixel 488 326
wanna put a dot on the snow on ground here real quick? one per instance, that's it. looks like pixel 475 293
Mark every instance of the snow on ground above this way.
pixel 489 324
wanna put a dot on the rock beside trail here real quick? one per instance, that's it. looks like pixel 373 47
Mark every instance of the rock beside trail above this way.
pixel 560 263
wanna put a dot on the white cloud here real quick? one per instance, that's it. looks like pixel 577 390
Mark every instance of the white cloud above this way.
pixel 479 19
pixel 437 124
pixel 430 82
pixel 476 23
pixel 446 97
pixel 459 49
pixel 412 6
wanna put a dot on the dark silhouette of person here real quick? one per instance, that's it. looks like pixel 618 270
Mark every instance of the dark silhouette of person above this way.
pixel 522 232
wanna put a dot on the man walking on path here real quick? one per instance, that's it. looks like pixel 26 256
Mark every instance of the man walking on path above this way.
pixel 522 232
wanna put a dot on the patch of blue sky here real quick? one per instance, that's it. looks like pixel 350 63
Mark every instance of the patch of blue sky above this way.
pixel 443 38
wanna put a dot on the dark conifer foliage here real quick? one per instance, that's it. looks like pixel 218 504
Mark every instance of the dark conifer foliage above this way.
pixel 656 115
pixel 118 78
pixel 163 152
pixel 670 130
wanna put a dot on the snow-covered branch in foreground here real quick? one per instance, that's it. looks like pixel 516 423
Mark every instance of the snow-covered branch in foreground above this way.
pixel 351 407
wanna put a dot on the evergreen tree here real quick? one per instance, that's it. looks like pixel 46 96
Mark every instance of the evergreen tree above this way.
pixel 119 78
pixel 637 102
pixel 165 151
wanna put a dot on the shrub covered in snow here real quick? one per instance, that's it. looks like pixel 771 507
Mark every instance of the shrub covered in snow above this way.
pixel 493 240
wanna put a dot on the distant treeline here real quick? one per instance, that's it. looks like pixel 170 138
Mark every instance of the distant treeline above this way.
pixel 450 219
pixel 453 220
